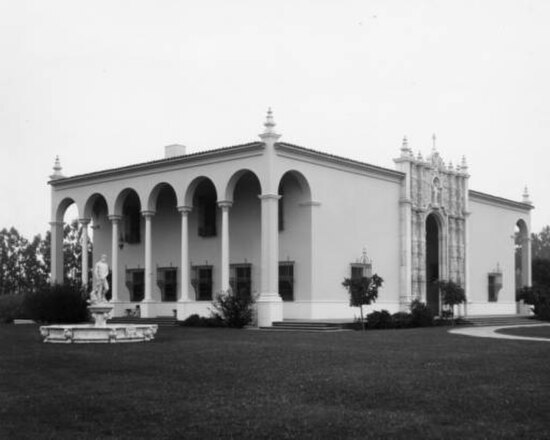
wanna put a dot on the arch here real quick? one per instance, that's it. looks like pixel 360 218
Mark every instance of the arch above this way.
pixel 303 183
pixel 122 196
pixel 232 183
pixel 154 194
pixel 192 187
pixel 62 208
pixel 91 204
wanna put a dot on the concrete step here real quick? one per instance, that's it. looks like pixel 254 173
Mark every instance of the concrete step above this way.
pixel 305 326
pixel 161 321
pixel 499 320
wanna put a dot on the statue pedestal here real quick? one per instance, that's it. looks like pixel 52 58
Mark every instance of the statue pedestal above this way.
pixel 101 312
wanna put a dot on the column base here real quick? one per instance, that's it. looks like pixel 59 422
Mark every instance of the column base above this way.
pixel 182 310
pixel 118 308
pixel 147 308
pixel 270 309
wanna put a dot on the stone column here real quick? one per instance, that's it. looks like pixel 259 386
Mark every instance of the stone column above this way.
pixel 115 221
pixel 225 205
pixel 270 307
pixel 146 311
pixel 184 270
pixel 56 252
pixel 526 261
pixel 84 222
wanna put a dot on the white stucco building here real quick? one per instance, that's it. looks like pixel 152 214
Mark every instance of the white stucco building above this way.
pixel 288 224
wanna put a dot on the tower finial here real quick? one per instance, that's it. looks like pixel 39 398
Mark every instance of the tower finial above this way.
pixel 269 124
pixel 433 142
pixel 463 165
pixel 405 150
pixel 57 169
pixel 525 197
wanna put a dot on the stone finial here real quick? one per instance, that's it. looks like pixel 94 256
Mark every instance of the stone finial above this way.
pixel 57 170
pixel 525 197
pixel 269 124
pixel 419 156
pixel 463 165
pixel 434 149
pixel 450 166
pixel 405 150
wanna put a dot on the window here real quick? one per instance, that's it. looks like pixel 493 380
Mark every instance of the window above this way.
pixel 202 282
pixel 241 279
pixel 495 284
pixel 360 270
pixel 207 216
pixel 286 280
pixel 135 282
pixel 167 280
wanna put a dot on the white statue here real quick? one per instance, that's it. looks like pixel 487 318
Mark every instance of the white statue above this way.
pixel 101 285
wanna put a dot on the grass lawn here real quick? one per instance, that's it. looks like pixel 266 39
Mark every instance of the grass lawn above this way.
pixel 532 331
pixel 218 383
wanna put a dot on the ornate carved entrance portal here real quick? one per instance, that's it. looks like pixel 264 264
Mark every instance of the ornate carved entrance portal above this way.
pixel 435 207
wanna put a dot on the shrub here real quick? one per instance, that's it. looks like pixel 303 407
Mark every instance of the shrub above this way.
pixel 234 310
pixel 401 320
pixel 11 307
pixel 539 298
pixel 57 304
pixel 202 321
pixel 421 315
pixel 379 319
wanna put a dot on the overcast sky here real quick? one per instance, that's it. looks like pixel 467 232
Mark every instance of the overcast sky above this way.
pixel 110 83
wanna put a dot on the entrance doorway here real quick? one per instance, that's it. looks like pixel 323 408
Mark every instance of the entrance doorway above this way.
pixel 432 263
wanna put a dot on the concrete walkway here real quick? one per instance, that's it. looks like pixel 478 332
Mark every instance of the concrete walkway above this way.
pixel 490 332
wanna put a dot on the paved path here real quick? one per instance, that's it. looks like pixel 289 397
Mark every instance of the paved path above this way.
pixel 490 332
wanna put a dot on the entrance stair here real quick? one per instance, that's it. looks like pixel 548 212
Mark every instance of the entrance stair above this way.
pixel 161 321
pixel 496 320
pixel 305 326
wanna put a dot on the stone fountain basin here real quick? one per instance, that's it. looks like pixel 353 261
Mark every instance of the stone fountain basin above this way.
pixel 89 333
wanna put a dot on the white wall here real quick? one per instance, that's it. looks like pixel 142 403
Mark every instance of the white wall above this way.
pixel 491 241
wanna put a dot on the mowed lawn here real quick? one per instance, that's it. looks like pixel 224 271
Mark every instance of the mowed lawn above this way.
pixel 248 384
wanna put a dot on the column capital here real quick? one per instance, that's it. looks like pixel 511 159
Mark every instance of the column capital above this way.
pixel 225 204
pixel 148 214
pixel 269 196
pixel 185 209
pixel 84 221
pixel 114 218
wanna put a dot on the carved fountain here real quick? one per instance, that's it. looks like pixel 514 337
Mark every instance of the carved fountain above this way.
pixel 100 331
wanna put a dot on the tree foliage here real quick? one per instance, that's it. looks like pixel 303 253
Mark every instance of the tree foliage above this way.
pixel 25 264
pixel 452 294
pixel 362 291
pixel 540 244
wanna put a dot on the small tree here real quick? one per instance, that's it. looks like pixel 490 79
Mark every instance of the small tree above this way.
pixel 452 294
pixel 362 291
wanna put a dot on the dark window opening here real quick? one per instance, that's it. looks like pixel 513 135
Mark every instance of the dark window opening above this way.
pixel 207 208
pixel 241 280
pixel 286 281
pixel 167 280
pixel 281 210
pixel 135 282
pixel 131 219
pixel 202 282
